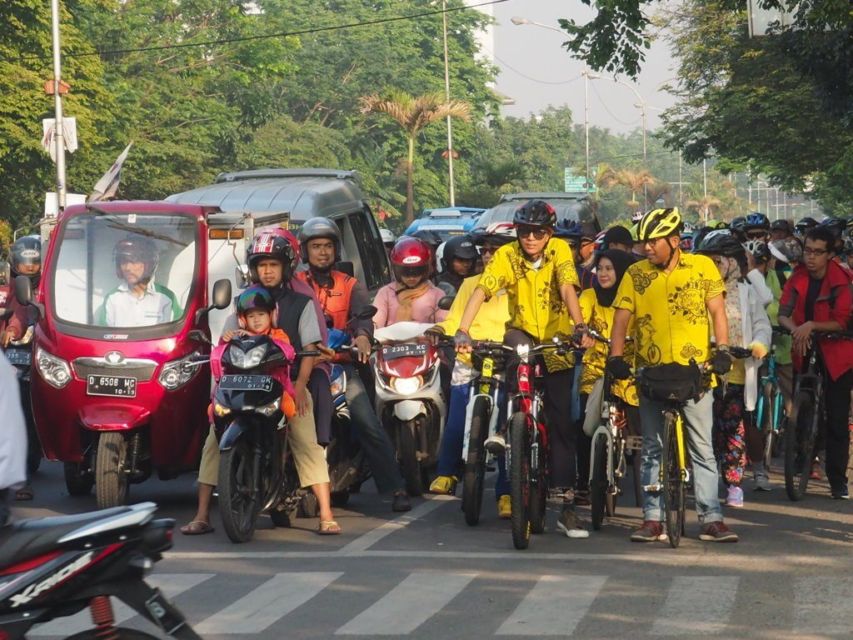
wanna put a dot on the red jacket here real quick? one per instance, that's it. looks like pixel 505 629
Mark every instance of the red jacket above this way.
pixel 834 303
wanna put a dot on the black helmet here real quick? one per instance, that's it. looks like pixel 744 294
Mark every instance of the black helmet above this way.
pixel 835 225
pixel 427 235
pixel 721 242
pixel 255 297
pixel 26 250
pixel 569 229
pixel 780 225
pixel 756 220
pixel 804 225
pixel 136 248
pixel 536 213
pixel 319 228
pixel 272 244
pixel 459 247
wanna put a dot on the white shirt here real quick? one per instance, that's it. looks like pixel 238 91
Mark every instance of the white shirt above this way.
pixel 13 434
pixel 125 309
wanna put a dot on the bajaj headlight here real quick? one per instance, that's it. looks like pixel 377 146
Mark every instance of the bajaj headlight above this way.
pixel 55 371
pixel 247 359
pixel 177 373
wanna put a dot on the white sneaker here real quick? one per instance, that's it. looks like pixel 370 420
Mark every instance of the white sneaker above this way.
pixel 570 524
pixel 496 444
pixel 762 482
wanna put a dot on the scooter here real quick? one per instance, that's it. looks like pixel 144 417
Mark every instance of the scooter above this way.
pixel 409 398
pixel 19 353
pixel 54 567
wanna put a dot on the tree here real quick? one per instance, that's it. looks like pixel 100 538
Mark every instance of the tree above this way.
pixel 634 181
pixel 413 114
pixel 705 207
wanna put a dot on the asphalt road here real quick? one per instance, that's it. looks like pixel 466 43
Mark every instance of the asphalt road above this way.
pixel 426 574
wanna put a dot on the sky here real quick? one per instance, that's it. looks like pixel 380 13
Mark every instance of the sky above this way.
pixel 536 72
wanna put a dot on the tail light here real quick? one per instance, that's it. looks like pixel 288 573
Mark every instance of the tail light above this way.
pixel 158 535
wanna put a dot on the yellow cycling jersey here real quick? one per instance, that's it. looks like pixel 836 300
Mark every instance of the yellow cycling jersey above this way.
pixel 600 319
pixel 671 322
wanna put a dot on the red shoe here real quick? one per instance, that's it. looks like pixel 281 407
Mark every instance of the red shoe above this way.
pixel 651 531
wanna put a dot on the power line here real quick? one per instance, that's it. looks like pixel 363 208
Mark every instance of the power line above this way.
pixel 280 34
pixel 604 104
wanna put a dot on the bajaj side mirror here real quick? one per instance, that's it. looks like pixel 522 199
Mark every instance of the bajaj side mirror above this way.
pixel 446 302
pixel 221 294
pixel 24 293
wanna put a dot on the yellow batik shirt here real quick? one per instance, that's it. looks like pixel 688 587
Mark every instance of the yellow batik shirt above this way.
pixel 671 322
pixel 535 304
pixel 600 319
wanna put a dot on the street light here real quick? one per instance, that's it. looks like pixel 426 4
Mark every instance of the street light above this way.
pixel 59 133
pixel 447 99
pixel 587 76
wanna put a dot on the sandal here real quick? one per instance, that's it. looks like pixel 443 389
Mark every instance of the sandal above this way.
pixel 24 493
pixel 329 528
pixel 196 528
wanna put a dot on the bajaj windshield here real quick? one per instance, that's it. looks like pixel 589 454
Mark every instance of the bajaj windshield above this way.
pixel 124 271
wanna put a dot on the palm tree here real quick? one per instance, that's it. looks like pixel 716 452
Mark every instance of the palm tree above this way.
pixel 413 113
pixel 703 206
pixel 632 180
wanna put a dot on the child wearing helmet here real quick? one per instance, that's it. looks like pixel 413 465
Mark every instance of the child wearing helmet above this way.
pixel 412 296
pixel 137 301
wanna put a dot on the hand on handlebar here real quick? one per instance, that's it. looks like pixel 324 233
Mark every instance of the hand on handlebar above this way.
pixel 802 336
pixel 582 338
pixel 327 354
pixel 435 334
pixel 758 350
pixel 363 348
pixel 230 334
pixel 721 363
pixel 618 367
pixel 462 342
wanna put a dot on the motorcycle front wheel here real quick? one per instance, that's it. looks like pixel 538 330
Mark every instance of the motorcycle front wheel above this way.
pixel 111 482
pixel 239 498
pixel 410 466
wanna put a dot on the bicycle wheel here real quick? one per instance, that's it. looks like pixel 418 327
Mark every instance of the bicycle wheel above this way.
pixel 673 482
pixel 519 472
pixel 598 482
pixel 539 489
pixel 475 466
pixel 799 445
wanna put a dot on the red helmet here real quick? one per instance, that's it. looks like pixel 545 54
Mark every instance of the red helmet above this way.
pixel 272 244
pixel 411 257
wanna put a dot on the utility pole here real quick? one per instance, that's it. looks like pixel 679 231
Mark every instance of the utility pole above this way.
pixel 680 183
pixel 705 177
pixel 447 98
pixel 59 135
pixel 586 78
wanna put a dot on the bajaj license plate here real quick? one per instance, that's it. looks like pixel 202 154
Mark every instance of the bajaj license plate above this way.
pixel 246 383
pixel 19 357
pixel 404 351
pixel 113 386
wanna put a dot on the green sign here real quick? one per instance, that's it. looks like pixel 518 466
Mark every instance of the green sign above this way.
pixel 576 184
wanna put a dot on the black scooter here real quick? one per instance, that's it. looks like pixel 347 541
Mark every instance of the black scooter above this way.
pixel 55 567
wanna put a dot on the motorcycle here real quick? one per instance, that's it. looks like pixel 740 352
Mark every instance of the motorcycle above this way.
pixel 54 567
pixel 19 353
pixel 409 398
pixel 256 471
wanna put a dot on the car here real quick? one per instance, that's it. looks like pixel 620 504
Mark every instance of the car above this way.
pixel 446 222
pixel 570 206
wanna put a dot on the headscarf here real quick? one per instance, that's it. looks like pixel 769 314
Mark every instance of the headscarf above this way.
pixel 621 261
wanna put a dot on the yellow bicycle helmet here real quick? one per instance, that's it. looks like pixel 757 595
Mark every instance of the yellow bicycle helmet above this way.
pixel 659 223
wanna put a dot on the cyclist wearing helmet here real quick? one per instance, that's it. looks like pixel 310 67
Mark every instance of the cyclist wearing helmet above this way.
pixel 579 240
pixel 780 229
pixel 24 260
pixel 458 261
pixel 675 299
pixel 617 238
pixel 738 228
pixel 138 301
pixel 539 276
pixel 749 327
pixel 412 297
pixel 489 324
pixel 342 298
pixel 803 226
pixel 757 227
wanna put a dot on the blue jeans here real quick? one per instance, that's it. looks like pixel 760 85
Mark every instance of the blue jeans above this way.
pixel 450 455
pixel 698 426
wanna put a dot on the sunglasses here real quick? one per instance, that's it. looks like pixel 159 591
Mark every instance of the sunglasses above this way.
pixel 525 231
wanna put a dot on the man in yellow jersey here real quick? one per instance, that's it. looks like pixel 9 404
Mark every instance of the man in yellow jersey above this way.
pixel 674 298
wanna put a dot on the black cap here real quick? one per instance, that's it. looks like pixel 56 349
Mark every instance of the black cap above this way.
pixel 619 235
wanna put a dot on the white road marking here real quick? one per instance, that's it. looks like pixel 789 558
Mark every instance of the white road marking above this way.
pixel 364 542
pixel 172 585
pixel 266 604
pixel 822 606
pixel 696 605
pixel 408 605
pixel 554 606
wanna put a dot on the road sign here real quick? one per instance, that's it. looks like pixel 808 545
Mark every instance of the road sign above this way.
pixel 575 184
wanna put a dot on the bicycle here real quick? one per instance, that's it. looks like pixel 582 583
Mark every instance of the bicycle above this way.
pixel 481 419
pixel 770 415
pixel 809 412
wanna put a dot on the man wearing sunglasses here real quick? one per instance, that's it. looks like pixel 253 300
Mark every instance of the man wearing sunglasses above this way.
pixel 541 282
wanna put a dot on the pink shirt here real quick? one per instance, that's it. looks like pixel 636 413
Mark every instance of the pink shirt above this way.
pixel 424 309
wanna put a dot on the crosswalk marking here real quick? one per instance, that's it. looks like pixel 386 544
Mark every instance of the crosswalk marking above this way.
pixel 408 605
pixel 822 606
pixel 172 585
pixel 263 606
pixel 697 605
pixel 554 606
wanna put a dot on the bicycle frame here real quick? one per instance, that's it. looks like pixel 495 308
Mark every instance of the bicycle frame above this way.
pixel 489 387
pixel 529 401
pixel 777 402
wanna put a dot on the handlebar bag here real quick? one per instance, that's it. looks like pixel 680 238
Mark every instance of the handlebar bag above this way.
pixel 671 382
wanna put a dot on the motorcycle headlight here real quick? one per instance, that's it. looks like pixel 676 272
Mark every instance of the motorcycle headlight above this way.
pixel 246 359
pixel 339 384
pixel 177 373
pixel 55 371
pixel 269 409
pixel 220 410
pixel 406 386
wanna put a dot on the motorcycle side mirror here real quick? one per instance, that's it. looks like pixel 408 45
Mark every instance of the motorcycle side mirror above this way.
pixel 24 293
pixel 220 299
pixel 242 275
pixel 446 302
pixel 198 336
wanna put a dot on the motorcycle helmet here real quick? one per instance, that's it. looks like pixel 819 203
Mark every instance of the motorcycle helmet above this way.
pixel 388 237
pixel 535 213
pixel 272 244
pixel 411 257
pixel 659 223
pixel 137 248
pixel 319 228
pixel 458 248
pixel 255 297
pixel 26 251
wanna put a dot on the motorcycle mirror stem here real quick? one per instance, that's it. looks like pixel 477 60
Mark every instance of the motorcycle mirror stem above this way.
pixel 220 299
pixel 24 294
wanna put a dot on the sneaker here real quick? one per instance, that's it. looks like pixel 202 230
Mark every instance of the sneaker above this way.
pixel 570 524
pixel 504 507
pixel 582 498
pixel 717 532
pixel 651 531
pixel 841 493
pixel 735 497
pixel 400 502
pixel 762 481
pixel 496 444
pixel 444 485
pixel 815 474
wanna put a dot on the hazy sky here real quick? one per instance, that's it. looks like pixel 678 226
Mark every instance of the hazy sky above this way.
pixel 537 72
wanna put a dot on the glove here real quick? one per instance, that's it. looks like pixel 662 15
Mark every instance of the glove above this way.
pixel 618 368
pixel 461 340
pixel 721 363
pixel 758 350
